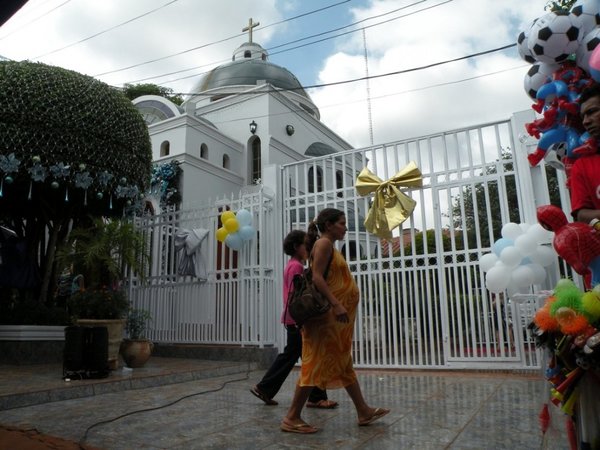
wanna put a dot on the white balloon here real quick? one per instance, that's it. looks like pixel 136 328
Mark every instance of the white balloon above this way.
pixel 511 256
pixel 539 273
pixel 522 276
pixel 511 230
pixel 497 279
pixel 526 244
pixel 544 256
pixel 539 233
pixel 487 261
pixel 525 226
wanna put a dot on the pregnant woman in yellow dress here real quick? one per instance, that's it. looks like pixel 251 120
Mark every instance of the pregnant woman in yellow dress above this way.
pixel 327 340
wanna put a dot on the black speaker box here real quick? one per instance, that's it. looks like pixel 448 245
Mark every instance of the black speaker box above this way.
pixel 86 352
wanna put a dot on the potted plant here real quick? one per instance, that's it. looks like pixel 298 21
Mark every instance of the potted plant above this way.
pixel 136 349
pixel 99 253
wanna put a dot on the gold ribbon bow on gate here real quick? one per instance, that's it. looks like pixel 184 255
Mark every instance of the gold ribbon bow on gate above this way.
pixel 390 206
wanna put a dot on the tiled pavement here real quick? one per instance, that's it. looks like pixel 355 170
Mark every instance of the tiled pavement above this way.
pixel 209 406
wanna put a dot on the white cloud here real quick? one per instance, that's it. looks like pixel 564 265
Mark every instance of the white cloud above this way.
pixel 405 105
pixel 409 105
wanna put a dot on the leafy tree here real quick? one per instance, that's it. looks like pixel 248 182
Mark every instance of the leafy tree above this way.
pixel 133 91
pixel 560 5
pixel 477 209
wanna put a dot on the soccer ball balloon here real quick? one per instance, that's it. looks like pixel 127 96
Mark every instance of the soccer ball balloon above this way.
pixel 522 47
pixel 589 43
pixel 538 75
pixel 554 36
pixel 587 14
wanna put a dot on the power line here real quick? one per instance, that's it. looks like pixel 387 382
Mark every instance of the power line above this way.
pixel 105 31
pixel 217 42
pixel 364 28
pixel 34 20
pixel 431 86
pixel 303 39
pixel 370 77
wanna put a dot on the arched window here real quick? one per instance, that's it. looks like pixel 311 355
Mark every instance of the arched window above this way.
pixel 256 173
pixel 339 182
pixel 226 163
pixel 311 180
pixel 165 148
pixel 204 151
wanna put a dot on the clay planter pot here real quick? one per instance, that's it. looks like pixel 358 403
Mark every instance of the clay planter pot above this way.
pixel 136 352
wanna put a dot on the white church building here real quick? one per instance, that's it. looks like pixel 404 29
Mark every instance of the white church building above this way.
pixel 240 117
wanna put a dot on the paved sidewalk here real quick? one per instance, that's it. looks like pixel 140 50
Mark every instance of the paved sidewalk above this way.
pixel 430 410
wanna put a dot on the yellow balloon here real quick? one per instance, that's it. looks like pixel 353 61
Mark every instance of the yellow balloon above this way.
pixel 226 216
pixel 222 234
pixel 232 225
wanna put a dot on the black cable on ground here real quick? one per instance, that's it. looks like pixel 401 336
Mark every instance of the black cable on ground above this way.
pixel 103 422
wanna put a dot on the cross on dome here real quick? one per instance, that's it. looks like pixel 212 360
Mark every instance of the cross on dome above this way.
pixel 249 28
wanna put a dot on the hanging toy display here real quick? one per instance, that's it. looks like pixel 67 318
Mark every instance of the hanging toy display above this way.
pixel 562 47
pixel 236 229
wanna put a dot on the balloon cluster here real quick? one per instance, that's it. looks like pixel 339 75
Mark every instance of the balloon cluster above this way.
pixel 562 47
pixel 518 258
pixel 237 228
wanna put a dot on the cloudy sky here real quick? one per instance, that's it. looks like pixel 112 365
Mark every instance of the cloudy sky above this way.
pixel 173 42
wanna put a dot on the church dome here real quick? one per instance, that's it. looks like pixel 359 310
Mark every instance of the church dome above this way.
pixel 249 67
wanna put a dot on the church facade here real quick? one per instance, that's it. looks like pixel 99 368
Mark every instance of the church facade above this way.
pixel 240 118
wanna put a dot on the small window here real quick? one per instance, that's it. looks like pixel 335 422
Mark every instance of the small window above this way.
pixel 311 180
pixel 339 182
pixel 165 148
pixel 226 163
pixel 204 151
pixel 247 54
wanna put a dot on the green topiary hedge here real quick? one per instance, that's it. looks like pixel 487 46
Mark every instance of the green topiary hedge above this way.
pixel 68 143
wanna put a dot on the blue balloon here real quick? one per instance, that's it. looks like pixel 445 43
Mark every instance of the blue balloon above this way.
pixel 234 241
pixel 501 244
pixel 244 217
pixel 247 232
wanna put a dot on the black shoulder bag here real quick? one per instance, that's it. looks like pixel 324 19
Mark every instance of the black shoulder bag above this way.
pixel 305 301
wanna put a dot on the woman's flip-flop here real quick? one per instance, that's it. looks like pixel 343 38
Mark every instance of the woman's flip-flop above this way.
pixel 300 428
pixel 377 414
pixel 322 404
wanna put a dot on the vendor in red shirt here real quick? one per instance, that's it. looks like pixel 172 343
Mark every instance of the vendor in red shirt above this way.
pixel 584 179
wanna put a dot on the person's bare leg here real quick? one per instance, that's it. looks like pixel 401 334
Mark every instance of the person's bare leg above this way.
pixel 293 416
pixel 363 410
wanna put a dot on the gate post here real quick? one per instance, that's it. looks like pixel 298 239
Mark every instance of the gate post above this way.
pixel 531 180
pixel 272 179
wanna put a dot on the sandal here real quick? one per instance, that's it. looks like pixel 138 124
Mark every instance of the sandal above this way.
pixel 300 428
pixel 377 414
pixel 322 404
pixel 260 394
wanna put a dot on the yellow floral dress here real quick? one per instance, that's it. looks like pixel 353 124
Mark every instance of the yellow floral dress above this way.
pixel 327 343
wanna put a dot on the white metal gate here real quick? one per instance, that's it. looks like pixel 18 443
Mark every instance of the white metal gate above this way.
pixel 423 299
pixel 235 305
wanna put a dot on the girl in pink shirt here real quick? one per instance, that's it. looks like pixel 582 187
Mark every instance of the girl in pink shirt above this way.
pixel 267 388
